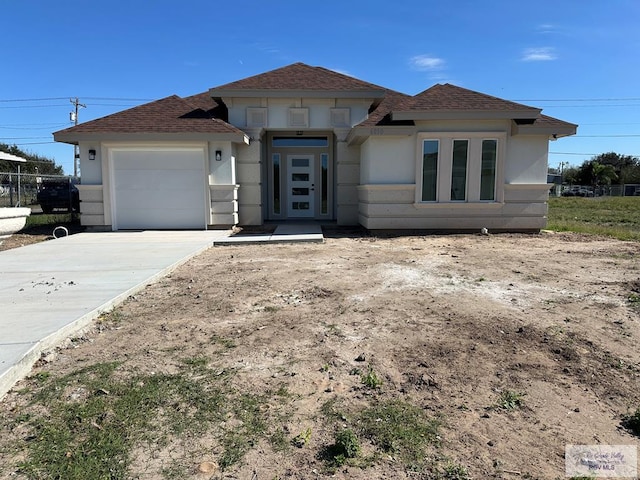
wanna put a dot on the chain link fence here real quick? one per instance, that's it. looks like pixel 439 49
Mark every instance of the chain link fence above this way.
pixel 22 190
pixel 626 190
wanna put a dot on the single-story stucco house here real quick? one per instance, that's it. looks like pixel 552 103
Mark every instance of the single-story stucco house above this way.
pixel 303 142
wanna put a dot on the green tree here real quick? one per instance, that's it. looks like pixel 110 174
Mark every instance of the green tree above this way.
pixel 35 163
pixel 602 174
pixel 626 167
pixel 570 175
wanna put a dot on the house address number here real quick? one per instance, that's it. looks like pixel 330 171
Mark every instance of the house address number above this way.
pixel 377 131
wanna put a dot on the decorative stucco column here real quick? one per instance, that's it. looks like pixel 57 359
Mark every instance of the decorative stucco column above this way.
pixel 249 177
pixel 347 178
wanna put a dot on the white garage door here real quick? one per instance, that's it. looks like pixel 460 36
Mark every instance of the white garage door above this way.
pixel 159 189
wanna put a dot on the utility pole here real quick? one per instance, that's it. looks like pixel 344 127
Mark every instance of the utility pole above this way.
pixel 76 148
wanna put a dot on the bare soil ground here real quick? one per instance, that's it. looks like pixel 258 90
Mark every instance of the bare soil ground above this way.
pixel 447 323
pixel 18 240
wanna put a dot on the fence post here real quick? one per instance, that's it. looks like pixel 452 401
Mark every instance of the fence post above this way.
pixel 10 191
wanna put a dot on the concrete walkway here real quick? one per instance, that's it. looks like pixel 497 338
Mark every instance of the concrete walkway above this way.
pixel 288 232
pixel 52 289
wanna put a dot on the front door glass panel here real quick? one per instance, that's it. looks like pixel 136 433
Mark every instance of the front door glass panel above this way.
pixel 301 187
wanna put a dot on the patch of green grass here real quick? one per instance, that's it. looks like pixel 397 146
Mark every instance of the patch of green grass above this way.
pixel 226 343
pixel 632 422
pixel 371 379
pixel 510 400
pixel 251 426
pixel 92 436
pixel 50 219
pixel 454 471
pixel 279 441
pixel 40 376
pixel 400 429
pixel 86 424
pixel 345 448
pixel 617 217
pixel 634 299
pixel 302 439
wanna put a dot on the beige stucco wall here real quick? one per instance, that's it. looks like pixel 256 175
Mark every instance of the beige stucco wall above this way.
pixel 521 183
pixel 528 158
pixel 388 160
pixel 278 110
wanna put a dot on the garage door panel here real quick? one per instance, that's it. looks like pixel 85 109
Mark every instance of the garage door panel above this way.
pixel 170 160
pixel 159 189
pixel 154 180
pixel 146 199
pixel 156 219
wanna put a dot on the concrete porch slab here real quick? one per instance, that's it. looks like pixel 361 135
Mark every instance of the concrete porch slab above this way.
pixel 290 232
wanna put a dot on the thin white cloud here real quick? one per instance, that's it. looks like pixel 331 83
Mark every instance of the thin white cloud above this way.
pixel 426 63
pixel 546 28
pixel 542 54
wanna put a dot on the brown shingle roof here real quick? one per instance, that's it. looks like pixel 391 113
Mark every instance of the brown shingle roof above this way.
pixel 201 114
pixel 299 76
pixel 381 115
pixel 546 121
pixel 169 115
pixel 450 97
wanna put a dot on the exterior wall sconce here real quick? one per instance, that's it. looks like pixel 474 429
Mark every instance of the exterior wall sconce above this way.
pixel 92 154
pixel 218 155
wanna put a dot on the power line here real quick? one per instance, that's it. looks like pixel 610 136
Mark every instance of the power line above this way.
pixel 57 125
pixel 589 106
pixel 583 124
pixel 122 99
pixel 112 104
pixel 585 154
pixel 627 99
pixel 38 106
pixel 6 100
pixel 119 99
pixel 23 138
pixel 606 136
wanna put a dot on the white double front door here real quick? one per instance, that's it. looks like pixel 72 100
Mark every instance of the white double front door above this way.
pixel 300 186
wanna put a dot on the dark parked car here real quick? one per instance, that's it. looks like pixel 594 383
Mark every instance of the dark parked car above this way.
pixel 60 193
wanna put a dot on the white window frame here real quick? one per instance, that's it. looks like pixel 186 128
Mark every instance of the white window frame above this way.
pixel 474 166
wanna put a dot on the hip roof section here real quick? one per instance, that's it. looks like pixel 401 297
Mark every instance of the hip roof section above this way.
pixel 205 115
pixel 198 114
pixel 300 79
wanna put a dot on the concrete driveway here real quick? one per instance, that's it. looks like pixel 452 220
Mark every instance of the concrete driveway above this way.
pixel 52 289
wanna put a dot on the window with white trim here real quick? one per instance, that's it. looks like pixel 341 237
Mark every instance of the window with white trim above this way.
pixel 459 167
pixel 488 172
pixel 459 170
pixel 430 149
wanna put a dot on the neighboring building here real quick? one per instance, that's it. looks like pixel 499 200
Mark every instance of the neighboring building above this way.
pixel 307 143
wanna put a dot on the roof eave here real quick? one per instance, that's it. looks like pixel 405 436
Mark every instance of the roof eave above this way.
pixel 75 138
pixel 552 131
pixel 273 93
pixel 465 114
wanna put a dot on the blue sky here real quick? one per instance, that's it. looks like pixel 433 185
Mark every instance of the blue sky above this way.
pixel 578 60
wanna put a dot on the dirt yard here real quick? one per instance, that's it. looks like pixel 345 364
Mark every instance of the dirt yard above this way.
pixel 517 344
